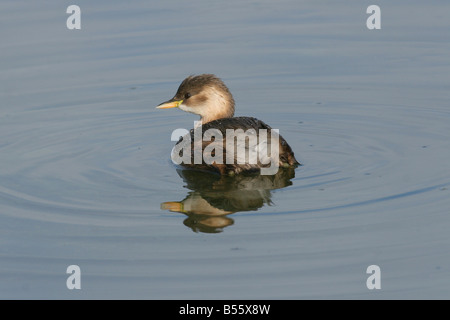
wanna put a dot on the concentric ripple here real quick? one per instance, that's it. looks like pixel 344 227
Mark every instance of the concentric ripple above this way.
pixel 116 161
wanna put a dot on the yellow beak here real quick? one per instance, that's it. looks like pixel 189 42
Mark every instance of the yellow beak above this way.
pixel 172 206
pixel 170 104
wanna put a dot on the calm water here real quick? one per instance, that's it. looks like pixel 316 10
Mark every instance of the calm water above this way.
pixel 86 179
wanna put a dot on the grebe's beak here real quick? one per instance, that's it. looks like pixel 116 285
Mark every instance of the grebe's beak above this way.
pixel 172 103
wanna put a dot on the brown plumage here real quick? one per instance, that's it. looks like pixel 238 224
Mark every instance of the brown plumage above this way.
pixel 207 96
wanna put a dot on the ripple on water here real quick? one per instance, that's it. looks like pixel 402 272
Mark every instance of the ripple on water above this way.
pixel 116 162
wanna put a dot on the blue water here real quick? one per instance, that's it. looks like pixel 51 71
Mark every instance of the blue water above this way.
pixel 86 177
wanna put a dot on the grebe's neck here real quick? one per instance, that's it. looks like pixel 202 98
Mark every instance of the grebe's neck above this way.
pixel 218 105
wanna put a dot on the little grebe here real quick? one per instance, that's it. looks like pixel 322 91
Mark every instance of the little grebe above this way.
pixel 207 96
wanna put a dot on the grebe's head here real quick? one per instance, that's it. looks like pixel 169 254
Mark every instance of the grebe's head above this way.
pixel 205 95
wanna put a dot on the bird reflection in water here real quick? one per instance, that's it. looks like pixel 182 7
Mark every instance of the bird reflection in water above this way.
pixel 213 197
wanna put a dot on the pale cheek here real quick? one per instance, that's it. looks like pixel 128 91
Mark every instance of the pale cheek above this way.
pixel 197 109
pixel 184 108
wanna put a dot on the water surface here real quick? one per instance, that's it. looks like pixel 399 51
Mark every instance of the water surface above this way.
pixel 86 179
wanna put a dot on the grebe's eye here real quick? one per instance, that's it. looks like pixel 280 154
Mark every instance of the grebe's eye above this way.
pixel 187 95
